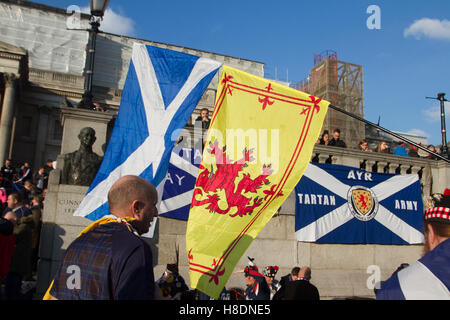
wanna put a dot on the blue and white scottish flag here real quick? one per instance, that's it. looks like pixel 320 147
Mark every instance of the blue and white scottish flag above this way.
pixel 161 91
pixel 180 183
pixel 339 204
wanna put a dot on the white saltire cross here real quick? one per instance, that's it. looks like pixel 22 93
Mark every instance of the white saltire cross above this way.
pixel 158 120
pixel 342 214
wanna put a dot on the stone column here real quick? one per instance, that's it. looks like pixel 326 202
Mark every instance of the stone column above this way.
pixel 393 167
pixel 369 165
pixel 323 157
pixel 41 136
pixel 10 80
pixel 381 165
pixel 404 168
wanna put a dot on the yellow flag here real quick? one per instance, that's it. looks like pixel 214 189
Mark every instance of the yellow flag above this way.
pixel 259 144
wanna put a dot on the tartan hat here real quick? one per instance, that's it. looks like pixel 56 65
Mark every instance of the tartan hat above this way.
pixel 270 271
pixel 440 212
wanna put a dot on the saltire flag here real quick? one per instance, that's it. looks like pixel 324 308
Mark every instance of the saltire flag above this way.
pixel 161 91
pixel 258 145
pixel 180 182
pixel 340 204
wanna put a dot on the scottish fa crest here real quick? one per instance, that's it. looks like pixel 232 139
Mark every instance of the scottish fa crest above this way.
pixel 362 203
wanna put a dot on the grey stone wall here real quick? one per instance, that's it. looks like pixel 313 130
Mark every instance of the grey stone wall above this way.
pixel 338 271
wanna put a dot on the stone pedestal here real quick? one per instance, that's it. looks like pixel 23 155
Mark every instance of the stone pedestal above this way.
pixel 59 226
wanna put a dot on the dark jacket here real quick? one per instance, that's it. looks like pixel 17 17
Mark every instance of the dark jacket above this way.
pixel 115 264
pixel 6 227
pixel 204 124
pixel 285 279
pixel 300 289
pixel 21 259
pixel 36 213
pixel 337 143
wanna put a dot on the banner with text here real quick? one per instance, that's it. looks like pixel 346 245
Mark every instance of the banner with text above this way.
pixel 340 204
pixel 180 182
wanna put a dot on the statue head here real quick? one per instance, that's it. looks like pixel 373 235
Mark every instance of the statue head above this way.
pixel 87 137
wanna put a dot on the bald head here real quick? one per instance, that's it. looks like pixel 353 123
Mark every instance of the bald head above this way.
pixel 127 189
pixel 132 196
pixel 305 273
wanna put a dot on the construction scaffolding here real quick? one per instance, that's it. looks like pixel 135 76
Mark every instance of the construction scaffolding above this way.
pixel 341 83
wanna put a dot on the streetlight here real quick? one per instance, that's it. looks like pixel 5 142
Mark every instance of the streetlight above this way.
pixel 441 98
pixel 98 8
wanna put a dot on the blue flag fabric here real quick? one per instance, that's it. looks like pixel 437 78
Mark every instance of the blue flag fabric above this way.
pixel 162 89
pixel 340 204
pixel 426 279
pixel 180 182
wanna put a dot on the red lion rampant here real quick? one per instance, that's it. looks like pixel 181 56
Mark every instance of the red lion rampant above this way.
pixel 363 200
pixel 224 178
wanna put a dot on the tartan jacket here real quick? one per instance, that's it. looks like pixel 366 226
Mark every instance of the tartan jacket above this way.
pixel 106 263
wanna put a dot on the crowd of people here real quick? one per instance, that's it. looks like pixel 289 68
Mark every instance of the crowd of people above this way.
pixel 401 148
pixel 258 286
pixel 117 264
pixel 22 194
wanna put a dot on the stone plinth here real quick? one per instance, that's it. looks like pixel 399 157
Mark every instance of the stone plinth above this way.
pixel 59 226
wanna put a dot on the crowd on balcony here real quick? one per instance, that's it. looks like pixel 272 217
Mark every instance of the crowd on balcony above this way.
pixel 400 149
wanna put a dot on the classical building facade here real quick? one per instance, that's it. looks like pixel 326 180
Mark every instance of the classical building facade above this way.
pixel 43 62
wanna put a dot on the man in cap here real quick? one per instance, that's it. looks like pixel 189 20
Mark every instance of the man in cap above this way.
pixel 429 277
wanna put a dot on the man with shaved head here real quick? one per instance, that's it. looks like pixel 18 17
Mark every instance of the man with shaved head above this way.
pixel 108 260
pixel 134 197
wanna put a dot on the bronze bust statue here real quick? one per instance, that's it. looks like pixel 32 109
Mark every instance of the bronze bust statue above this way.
pixel 81 166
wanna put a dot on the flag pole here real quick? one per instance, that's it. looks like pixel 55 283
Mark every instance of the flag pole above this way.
pixel 387 131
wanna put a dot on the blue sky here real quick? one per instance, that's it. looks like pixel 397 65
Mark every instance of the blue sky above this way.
pixel 403 62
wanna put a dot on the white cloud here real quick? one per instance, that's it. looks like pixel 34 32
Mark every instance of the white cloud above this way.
pixel 418 132
pixel 430 28
pixel 114 22
pixel 433 114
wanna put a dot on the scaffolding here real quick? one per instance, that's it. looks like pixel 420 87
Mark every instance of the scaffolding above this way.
pixel 340 83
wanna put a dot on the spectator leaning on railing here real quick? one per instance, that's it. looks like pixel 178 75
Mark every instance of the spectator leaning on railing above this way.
pixel 336 140
pixel 383 147
pixel 364 146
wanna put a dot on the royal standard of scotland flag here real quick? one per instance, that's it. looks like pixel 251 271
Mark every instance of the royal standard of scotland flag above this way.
pixel 258 145
pixel 339 204
pixel 161 90
pixel 180 183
